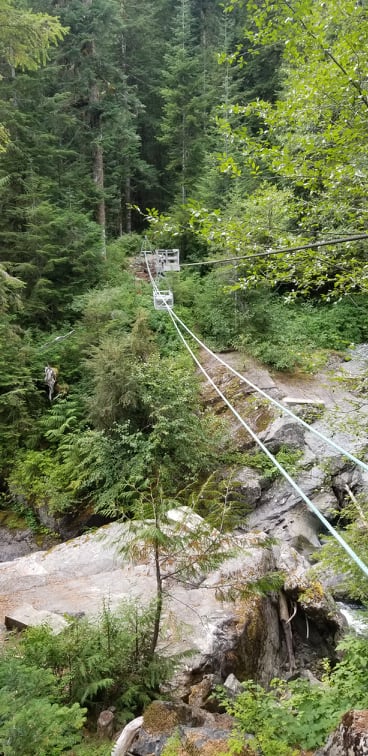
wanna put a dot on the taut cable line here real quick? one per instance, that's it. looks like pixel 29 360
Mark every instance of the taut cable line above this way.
pixel 282 407
pixel 362 566
pixel 282 251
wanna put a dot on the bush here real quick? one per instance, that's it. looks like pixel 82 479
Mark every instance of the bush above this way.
pixel 298 714
pixel 281 334
pixel 32 717
pixel 101 662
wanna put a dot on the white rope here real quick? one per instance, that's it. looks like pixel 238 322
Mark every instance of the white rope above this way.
pixel 363 567
pixel 151 278
pixel 273 459
pixel 282 407
pixel 263 393
pixel 57 338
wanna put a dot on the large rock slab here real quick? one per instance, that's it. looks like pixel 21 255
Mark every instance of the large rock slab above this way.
pixel 284 431
pixel 193 730
pixel 246 487
pixel 16 543
pixel 227 627
pixel 26 616
pixel 240 636
pixel 283 513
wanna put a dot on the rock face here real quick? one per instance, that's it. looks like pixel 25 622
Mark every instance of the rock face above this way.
pixel 283 513
pixel 16 543
pixel 350 738
pixel 284 431
pixel 324 474
pixel 227 630
pixel 248 488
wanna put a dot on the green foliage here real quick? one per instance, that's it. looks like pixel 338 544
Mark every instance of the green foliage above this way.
pixel 118 254
pixel 26 36
pixel 103 661
pixel 32 717
pixel 286 456
pixel 148 410
pixel 259 714
pixel 307 139
pixel 283 334
pixel 42 478
pixel 298 714
pixel 331 556
pixel 57 728
pixel 92 746
pixel 44 679
pixel 16 388
pixel 172 746
pixel 182 546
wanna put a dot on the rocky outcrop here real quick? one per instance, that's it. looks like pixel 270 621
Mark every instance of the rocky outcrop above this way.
pixel 350 738
pixel 15 542
pixel 190 730
pixel 284 431
pixel 329 404
pixel 226 625
pixel 246 487
pixel 283 513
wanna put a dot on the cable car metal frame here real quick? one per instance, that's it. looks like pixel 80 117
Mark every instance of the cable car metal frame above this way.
pixel 167 260
pixel 163 299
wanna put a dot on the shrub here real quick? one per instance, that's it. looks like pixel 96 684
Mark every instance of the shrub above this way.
pixel 32 717
pixel 101 662
pixel 298 714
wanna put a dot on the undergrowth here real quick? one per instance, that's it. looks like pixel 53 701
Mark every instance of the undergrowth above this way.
pixel 284 335
pixel 297 714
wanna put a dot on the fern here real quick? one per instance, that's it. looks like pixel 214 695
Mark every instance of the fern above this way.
pixel 104 661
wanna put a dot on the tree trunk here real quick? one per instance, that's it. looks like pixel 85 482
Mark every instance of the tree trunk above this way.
pixel 128 209
pixel 127 736
pixel 98 164
pixel 159 601
pixel 285 622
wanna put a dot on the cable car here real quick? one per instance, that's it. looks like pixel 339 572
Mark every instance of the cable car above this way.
pixel 163 299
pixel 167 260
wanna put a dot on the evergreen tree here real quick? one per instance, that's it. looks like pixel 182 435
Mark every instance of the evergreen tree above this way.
pixel 183 125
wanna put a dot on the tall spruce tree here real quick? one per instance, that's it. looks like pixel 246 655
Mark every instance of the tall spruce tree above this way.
pixel 46 238
pixel 183 124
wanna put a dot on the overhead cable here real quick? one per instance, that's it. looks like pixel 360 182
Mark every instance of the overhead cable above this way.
pixel 282 251
pixel 273 459
pixel 282 407
pixel 260 391
pixel 57 339
pixel 258 441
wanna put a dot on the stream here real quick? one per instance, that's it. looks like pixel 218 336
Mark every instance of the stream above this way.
pixel 356 616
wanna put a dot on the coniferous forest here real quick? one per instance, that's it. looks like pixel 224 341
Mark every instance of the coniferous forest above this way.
pixel 227 130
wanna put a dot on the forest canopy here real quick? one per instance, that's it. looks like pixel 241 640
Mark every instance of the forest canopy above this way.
pixel 229 130
pixel 235 131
